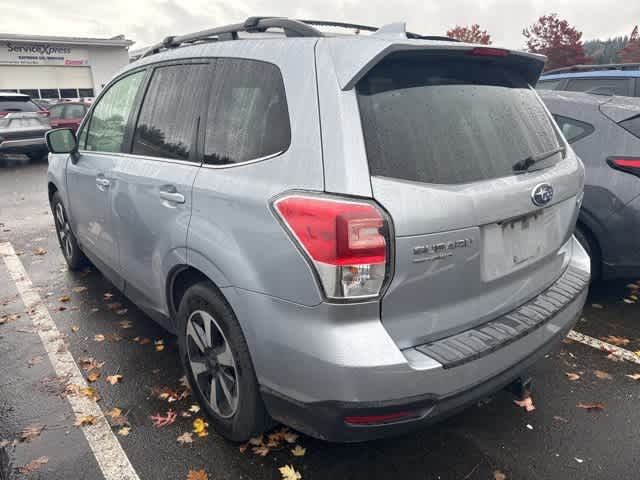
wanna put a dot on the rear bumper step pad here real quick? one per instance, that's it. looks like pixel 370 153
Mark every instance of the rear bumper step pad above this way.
pixel 484 339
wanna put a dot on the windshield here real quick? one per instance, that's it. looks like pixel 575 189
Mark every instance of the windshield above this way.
pixel 451 121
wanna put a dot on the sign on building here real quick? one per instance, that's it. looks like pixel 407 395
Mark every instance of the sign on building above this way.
pixel 15 53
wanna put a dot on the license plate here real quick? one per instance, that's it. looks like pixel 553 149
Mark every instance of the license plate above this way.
pixel 523 237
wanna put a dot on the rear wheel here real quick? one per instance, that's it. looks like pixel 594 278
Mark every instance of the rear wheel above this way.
pixel 68 244
pixel 588 243
pixel 215 356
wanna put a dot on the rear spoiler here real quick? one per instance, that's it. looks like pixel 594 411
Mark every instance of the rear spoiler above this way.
pixel 353 58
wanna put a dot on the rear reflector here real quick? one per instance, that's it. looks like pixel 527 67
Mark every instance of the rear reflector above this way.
pixel 625 164
pixel 346 242
pixel 378 419
pixel 489 52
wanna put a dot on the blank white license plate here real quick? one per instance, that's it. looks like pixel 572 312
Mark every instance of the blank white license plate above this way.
pixel 523 237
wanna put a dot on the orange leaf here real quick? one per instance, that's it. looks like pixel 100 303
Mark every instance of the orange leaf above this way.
pixel 592 407
pixel 572 376
pixel 617 341
pixel 197 475
pixel 113 379
pixel 602 375
pixel 93 376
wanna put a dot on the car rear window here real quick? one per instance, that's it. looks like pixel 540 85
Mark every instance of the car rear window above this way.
pixel 17 106
pixel 451 121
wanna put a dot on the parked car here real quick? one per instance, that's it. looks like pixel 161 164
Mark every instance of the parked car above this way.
pixel 605 133
pixel 67 115
pixel 22 126
pixel 352 235
pixel 615 79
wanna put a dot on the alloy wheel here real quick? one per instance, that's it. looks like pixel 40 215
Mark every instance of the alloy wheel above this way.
pixel 212 363
pixel 64 231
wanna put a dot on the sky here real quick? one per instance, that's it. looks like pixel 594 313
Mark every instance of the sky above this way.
pixel 149 21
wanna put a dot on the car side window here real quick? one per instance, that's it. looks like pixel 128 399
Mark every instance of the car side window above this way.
pixel 73 111
pixel 106 127
pixel 548 84
pixel 573 130
pixel 602 86
pixel 55 112
pixel 248 116
pixel 170 110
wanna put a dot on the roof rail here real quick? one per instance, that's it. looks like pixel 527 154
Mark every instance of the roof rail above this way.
pixel 292 28
pixel 593 68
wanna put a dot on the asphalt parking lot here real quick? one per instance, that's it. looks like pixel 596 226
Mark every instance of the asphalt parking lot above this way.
pixel 101 329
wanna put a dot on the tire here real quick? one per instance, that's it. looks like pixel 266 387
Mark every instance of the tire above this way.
pixel 587 242
pixel 237 419
pixel 71 252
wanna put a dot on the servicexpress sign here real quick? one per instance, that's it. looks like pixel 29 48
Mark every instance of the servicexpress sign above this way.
pixel 14 53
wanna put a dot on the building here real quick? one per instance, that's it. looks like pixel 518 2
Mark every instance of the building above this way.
pixel 59 67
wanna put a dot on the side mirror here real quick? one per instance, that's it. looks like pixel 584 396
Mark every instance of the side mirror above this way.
pixel 62 140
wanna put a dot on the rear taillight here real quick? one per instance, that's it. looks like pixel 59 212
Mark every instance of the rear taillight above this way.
pixel 346 242
pixel 489 52
pixel 2 114
pixel 625 164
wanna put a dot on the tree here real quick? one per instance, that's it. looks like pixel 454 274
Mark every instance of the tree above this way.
pixel 558 40
pixel 631 53
pixel 471 34
pixel 605 51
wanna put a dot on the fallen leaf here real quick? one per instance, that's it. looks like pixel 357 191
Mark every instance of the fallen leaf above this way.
pixel 121 311
pixel 89 363
pixel 255 441
pixel 34 465
pixel 243 447
pixel 629 301
pixel 558 418
pixel 126 324
pixel 186 437
pixel 39 251
pixel 32 431
pixel 114 413
pixel 291 437
pixel 597 305
pixel 64 299
pixel 498 475
pixel 637 353
pixel 197 475
pixel 114 306
pixel 194 408
pixel 85 420
pixel 159 344
pixel 526 403
pixel 298 451
pixel 78 289
pixel 613 357
pixel 592 407
pixel 124 431
pixel 200 427
pixel 159 421
pixel 93 376
pixel 634 376
pixel 289 473
pixel 90 393
pixel 75 328
pixel 113 379
pixel 144 341
pixel 572 376
pixel 99 337
pixel 602 375
pixel 617 341
pixel 262 450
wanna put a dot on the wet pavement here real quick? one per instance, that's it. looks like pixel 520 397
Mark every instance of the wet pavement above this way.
pixel 556 441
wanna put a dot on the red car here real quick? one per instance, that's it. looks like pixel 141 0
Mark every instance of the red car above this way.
pixel 67 115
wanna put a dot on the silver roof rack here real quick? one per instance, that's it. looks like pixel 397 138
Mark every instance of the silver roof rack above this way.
pixel 290 27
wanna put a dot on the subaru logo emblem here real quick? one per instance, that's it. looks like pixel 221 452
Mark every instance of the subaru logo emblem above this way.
pixel 542 194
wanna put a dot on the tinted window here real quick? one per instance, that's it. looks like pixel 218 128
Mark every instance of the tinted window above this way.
pixel 449 121
pixel 73 111
pixel 49 93
pixel 68 93
pixel 33 93
pixel 602 86
pixel 110 115
pixel 632 125
pixel 573 130
pixel 548 84
pixel 85 92
pixel 17 106
pixel 248 116
pixel 56 112
pixel 170 111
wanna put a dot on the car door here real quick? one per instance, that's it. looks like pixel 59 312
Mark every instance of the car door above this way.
pixel 89 174
pixel 152 190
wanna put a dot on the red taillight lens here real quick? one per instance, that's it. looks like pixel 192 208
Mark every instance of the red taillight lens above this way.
pixel 2 114
pixel 378 419
pixel 626 164
pixel 489 52
pixel 345 240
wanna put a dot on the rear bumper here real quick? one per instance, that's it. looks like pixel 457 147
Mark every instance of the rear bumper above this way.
pixel 317 365
pixel 24 145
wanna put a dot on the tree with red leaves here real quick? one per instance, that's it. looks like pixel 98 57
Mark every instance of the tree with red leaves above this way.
pixel 471 34
pixel 558 40
pixel 631 53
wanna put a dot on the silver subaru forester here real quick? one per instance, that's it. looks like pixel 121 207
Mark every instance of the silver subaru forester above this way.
pixel 350 234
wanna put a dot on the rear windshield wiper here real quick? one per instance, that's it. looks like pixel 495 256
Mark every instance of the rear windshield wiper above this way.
pixel 530 161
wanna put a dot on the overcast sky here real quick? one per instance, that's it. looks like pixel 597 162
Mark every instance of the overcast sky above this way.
pixel 148 21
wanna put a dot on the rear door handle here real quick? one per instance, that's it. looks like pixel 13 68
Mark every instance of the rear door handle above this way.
pixel 170 194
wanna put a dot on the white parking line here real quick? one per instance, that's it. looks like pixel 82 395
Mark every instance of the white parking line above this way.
pixel 105 446
pixel 621 353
